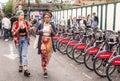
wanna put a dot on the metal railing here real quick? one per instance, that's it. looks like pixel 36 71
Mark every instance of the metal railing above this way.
pixel 108 14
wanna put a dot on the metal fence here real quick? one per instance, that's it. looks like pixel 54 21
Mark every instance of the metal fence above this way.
pixel 108 13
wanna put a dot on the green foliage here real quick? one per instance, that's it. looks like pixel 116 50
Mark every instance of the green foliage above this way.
pixel 7 9
pixel 66 6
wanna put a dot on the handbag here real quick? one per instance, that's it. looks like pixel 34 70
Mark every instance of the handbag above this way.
pixel 36 41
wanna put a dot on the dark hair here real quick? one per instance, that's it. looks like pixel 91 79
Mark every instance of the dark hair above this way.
pixel 88 16
pixel 94 13
pixel 13 14
pixel 34 21
pixel 47 13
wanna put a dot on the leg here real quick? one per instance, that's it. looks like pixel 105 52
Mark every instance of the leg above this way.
pixel 7 34
pixel 24 52
pixel 19 49
pixel 24 56
pixel 49 50
pixel 4 33
pixel 43 56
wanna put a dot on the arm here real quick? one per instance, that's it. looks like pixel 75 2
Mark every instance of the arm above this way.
pixel 98 20
pixel 39 29
pixel 15 30
pixel 9 24
pixel 2 23
pixel 53 28
pixel 85 22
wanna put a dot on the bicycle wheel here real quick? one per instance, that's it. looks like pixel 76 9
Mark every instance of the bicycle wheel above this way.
pixel 56 45
pixel 99 66
pixel 62 48
pixel 115 74
pixel 69 51
pixel 88 61
pixel 78 56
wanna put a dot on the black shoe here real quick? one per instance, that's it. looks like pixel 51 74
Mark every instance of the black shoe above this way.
pixel 45 75
pixel 26 73
pixel 20 68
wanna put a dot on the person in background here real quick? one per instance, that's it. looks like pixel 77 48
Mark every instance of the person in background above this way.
pixel 62 22
pixel 30 23
pixel 46 31
pixel 78 20
pixel 69 22
pixel 0 27
pixel 20 32
pixel 94 21
pixel 40 21
pixel 74 23
pixel 34 25
pixel 82 23
pixel 0 23
pixel 12 19
pixel 88 21
pixel 6 25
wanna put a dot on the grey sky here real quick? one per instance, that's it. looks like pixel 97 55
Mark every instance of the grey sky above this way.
pixel 3 1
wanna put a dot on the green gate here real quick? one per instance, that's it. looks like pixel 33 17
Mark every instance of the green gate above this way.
pixel 108 13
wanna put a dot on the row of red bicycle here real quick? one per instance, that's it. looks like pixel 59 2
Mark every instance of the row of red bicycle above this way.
pixel 98 50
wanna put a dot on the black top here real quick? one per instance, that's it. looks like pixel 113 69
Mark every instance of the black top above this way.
pixel 22 30
pixel 13 19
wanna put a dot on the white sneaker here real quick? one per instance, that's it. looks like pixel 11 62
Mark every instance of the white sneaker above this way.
pixel 6 40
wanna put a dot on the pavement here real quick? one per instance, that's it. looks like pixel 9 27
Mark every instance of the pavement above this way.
pixel 60 68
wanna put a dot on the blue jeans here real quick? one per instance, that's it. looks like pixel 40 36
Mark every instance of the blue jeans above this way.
pixel 22 49
pixel 6 33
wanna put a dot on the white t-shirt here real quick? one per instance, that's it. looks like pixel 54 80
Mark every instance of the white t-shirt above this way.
pixel 62 22
pixel 46 30
pixel 6 23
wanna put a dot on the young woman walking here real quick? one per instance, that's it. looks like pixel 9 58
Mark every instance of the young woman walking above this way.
pixel 46 31
pixel 20 32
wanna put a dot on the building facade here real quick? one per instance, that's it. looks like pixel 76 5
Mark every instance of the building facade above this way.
pixel 86 2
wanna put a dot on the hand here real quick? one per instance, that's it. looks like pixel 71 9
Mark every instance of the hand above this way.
pixel 33 29
pixel 21 24
pixel 40 31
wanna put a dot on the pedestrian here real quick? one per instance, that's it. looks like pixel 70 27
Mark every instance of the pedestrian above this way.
pixel 94 21
pixel 69 22
pixel 34 25
pixel 46 31
pixel 62 22
pixel 20 32
pixel 74 23
pixel 0 26
pixel 78 19
pixel 82 23
pixel 88 22
pixel 12 19
pixel 6 25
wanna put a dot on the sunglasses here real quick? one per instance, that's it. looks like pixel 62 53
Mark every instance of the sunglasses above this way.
pixel 46 17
